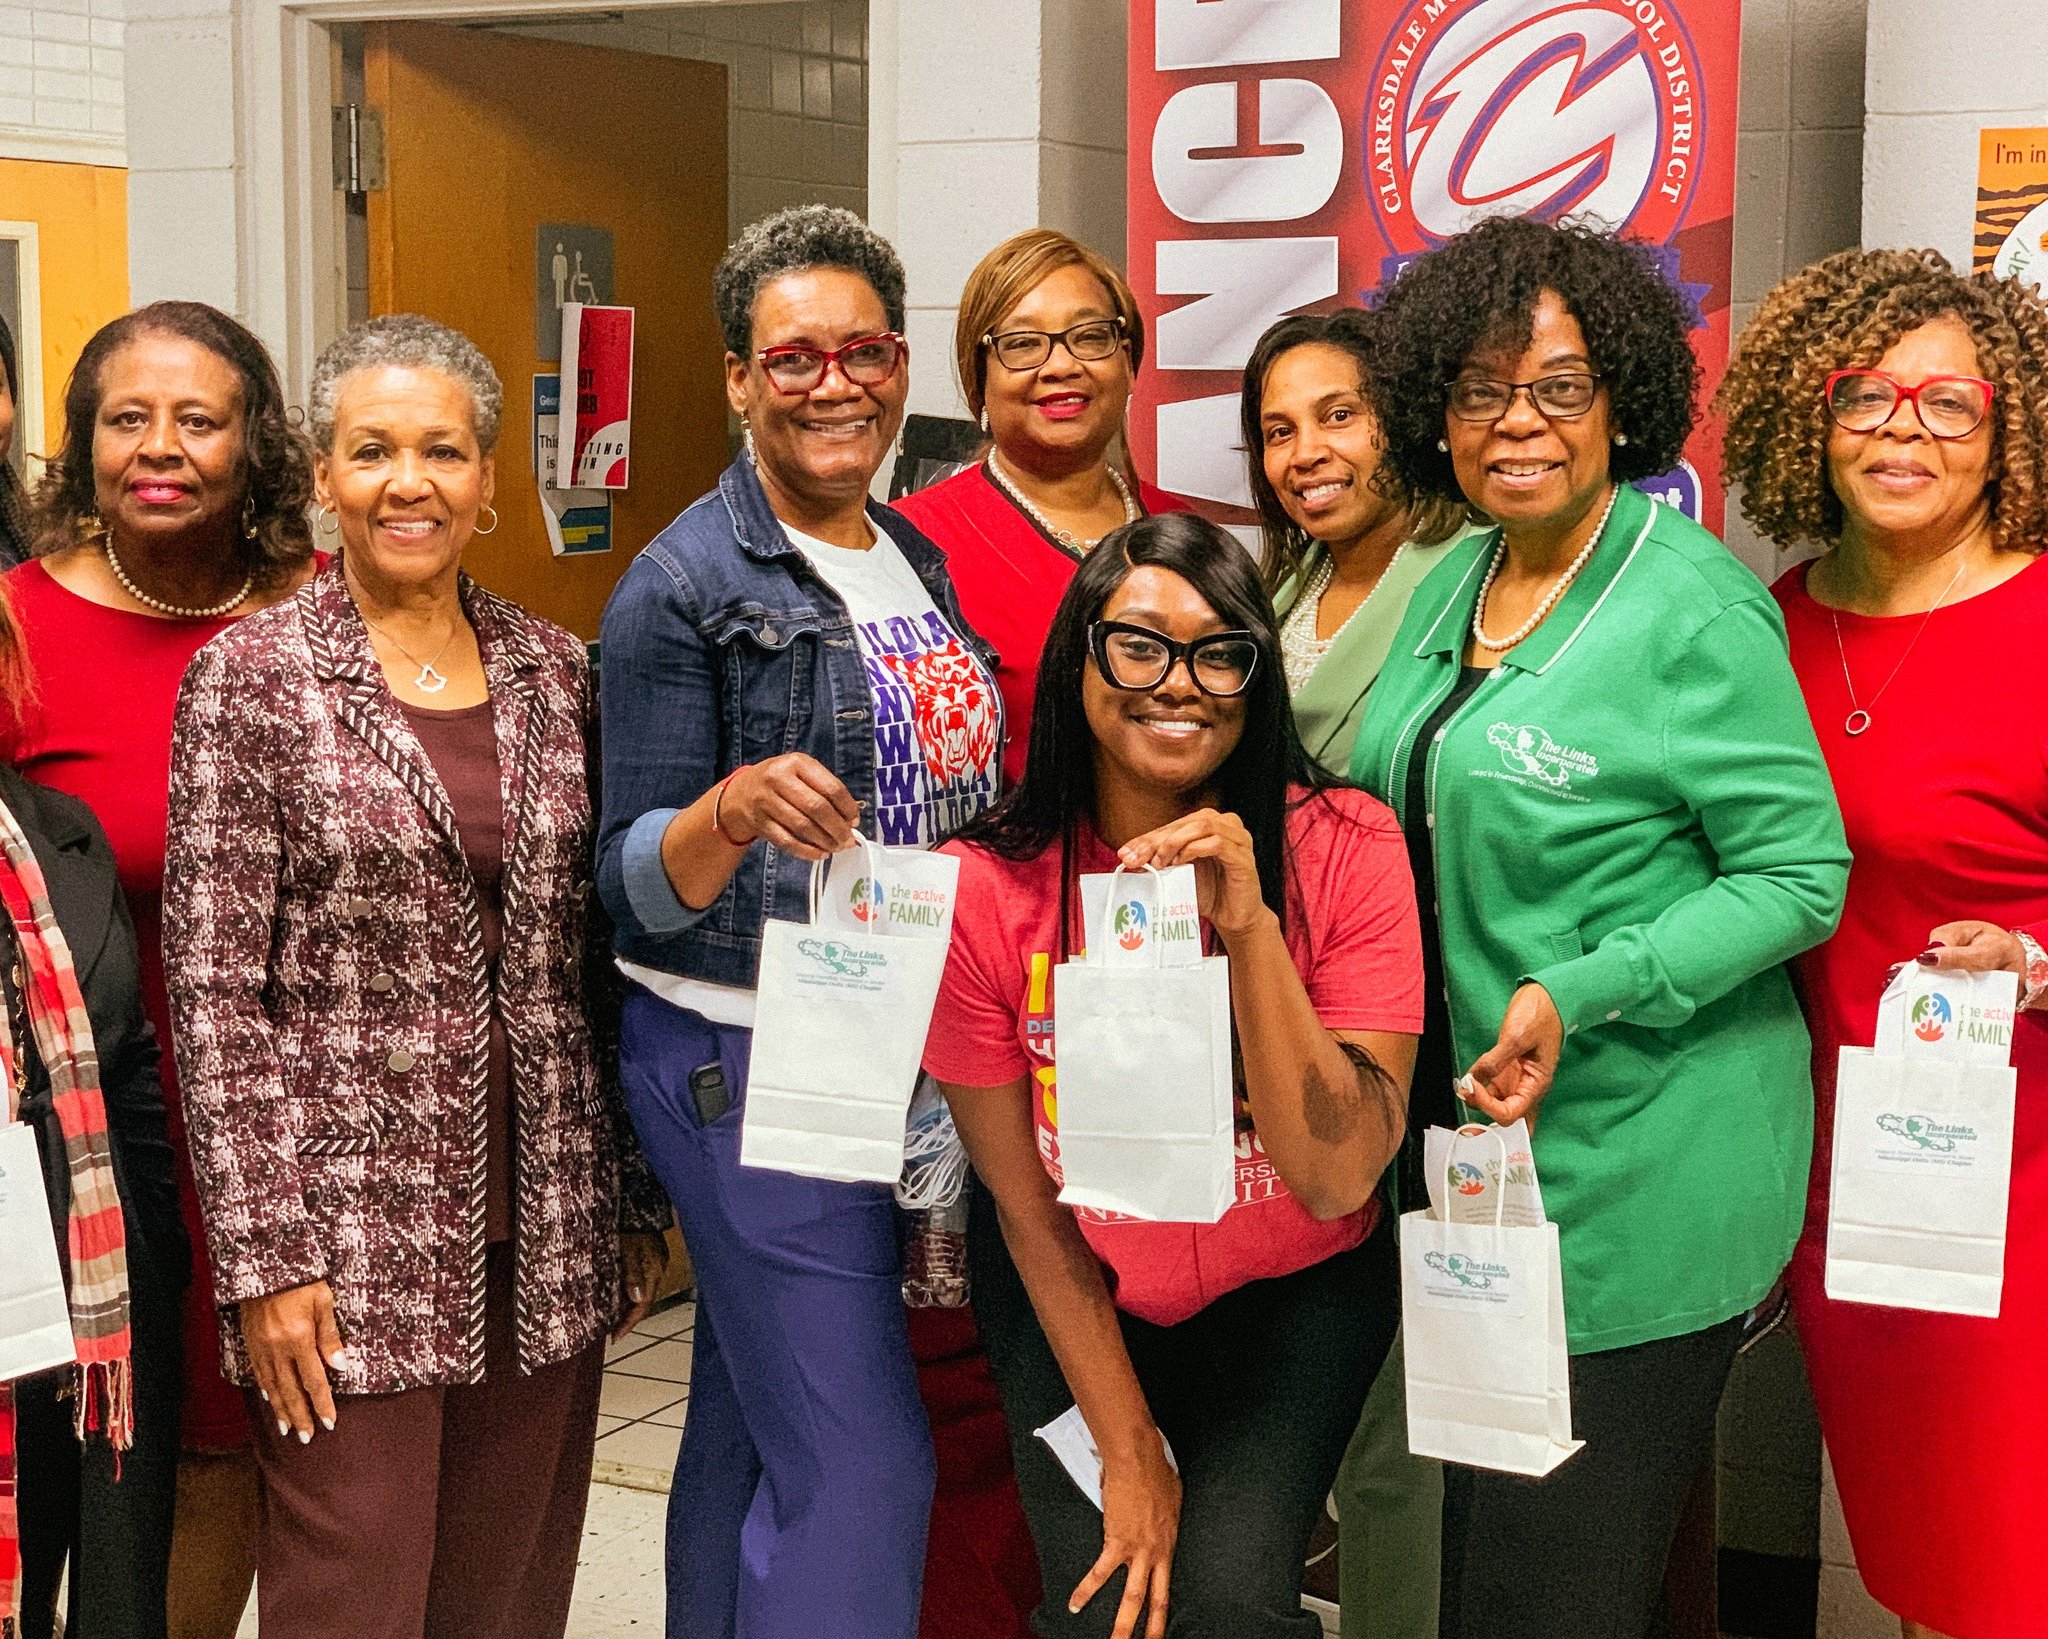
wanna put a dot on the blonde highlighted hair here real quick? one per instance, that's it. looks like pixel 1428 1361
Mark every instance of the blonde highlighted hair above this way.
pixel 1009 273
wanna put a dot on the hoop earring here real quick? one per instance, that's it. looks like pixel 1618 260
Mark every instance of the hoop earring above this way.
pixel 493 511
pixel 327 521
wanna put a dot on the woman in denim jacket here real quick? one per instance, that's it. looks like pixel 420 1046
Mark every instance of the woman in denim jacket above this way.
pixel 785 665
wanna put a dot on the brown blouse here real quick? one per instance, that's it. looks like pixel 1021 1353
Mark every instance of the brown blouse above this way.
pixel 463 747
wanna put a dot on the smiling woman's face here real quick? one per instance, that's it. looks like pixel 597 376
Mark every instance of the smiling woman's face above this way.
pixel 1171 738
pixel 1899 479
pixel 169 450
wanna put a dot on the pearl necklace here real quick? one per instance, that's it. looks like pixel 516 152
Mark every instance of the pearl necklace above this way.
pixel 1301 651
pixel 1557 590
pixel 1066 537
pixel 211 612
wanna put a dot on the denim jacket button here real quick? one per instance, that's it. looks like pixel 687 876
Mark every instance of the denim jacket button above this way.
pixel 769 634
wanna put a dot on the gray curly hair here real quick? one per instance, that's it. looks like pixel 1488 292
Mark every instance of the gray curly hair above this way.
pixel 794 241
pixel 413 342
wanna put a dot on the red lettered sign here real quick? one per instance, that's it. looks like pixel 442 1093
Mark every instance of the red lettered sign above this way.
pixel 1292 154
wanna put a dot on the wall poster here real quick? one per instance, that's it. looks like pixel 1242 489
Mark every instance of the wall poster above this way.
pixel 1293 154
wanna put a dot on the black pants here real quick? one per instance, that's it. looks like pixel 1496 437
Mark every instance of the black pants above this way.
pixel 1580 1554
pixel 116 1533
pixel 1257 1395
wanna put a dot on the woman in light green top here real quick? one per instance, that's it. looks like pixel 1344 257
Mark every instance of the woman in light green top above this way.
pixel 1345 550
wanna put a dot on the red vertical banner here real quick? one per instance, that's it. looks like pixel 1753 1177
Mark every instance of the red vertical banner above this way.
pixel 1291 155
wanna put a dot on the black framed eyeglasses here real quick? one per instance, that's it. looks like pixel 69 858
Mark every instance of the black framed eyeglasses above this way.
pixel 1563 397
pixel 1089 340
pixel 1136 658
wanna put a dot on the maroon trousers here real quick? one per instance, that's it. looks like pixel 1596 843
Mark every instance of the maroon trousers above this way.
pixel 450 1512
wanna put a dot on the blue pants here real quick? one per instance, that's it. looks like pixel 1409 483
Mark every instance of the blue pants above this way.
pixel 804 1486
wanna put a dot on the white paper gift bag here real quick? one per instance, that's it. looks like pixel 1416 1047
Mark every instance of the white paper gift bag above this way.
pixel 35 1317
pixel 1482 1312
pixel 845 1002
pixel 1146 1120
pixel 1922 1166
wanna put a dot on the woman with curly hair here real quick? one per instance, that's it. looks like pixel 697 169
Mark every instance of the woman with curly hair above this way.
pixel 1895 414
pixel 1595 743
pixel 175 506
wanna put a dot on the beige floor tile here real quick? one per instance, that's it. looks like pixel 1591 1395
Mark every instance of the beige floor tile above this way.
pixel 641 1445
pixel 669 1323
pixel 615 1352
pixel 670 1416
pixel 668 1361
pixel 635 1396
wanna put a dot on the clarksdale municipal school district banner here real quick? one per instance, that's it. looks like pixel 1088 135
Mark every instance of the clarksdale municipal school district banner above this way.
pixel 1292 154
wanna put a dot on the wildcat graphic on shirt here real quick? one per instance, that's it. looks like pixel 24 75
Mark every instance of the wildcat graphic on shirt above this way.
pixel 938 728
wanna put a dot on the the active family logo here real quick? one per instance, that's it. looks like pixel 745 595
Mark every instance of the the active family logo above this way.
pixel 1130 925
pixel 1532 107
pixel 1932 1016
pixel 1529 750
pixel 1474 1274
pixel 1925 1133
pixel 863 901
pixel 1467 1179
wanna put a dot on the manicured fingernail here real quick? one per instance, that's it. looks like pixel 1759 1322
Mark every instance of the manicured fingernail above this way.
pixel 1930 956
pixel 283 1428
pixel 327 1423
pixel 341 1360
pixel 633 1292
pixel 263 1395
pixel 305 1436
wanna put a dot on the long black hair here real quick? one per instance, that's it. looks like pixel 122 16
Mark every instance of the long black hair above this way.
pixel 1266 773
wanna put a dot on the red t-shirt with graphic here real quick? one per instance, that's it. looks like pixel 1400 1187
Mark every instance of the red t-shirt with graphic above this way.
pixel 1352 931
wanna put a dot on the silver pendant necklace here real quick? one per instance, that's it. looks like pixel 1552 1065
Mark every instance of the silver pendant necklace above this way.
pixel 429 680
pixel 1859 716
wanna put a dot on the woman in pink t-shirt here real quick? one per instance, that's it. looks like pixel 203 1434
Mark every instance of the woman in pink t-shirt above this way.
pixel 1161 735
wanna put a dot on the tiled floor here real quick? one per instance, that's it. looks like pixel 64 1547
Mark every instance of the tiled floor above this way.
pixel 646 1388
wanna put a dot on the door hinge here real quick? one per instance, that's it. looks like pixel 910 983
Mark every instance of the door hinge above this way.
pixel 358 149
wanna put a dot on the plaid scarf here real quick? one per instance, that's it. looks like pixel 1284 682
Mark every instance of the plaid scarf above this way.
pixel 95 1237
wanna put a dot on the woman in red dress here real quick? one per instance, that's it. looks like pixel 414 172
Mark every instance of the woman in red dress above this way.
pixel 1048 342
pixel 176 506
pixel 1896 415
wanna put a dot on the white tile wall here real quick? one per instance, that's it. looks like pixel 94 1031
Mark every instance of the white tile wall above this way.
pixel 796 77
pixel 61 80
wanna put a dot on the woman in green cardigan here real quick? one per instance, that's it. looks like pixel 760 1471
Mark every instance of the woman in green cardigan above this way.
pixel 1614 800
pixel 1345 549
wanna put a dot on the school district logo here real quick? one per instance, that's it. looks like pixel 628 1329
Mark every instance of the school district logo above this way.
pixel 1469 1273
pixel 1935 1137
pixel 1510 108
pixel 1130 925
pixel 1526 749
pixel 1932 1017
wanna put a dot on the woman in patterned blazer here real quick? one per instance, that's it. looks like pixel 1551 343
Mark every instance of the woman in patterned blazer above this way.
pixel 376 896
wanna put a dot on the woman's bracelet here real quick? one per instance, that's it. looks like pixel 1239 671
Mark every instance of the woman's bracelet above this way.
pixel 717 801
pixel 2035 980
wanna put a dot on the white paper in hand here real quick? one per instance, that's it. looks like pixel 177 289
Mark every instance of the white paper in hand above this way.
pixel 1068 1436
pixel 35 1316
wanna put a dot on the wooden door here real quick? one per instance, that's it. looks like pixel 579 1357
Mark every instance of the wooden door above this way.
pixel 489 135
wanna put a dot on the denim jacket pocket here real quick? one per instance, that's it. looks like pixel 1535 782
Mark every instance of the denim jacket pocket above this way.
pixel 770 666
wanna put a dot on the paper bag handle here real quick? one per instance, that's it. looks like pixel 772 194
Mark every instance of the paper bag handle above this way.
pixel 1109 910
pixel 820 867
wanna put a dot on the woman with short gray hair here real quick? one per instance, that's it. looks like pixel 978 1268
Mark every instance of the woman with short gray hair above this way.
pixel 784 666
pixel 424 1203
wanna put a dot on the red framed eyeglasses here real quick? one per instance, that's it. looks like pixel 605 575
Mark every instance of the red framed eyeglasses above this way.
pixel 866 361
pixel 1862 400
